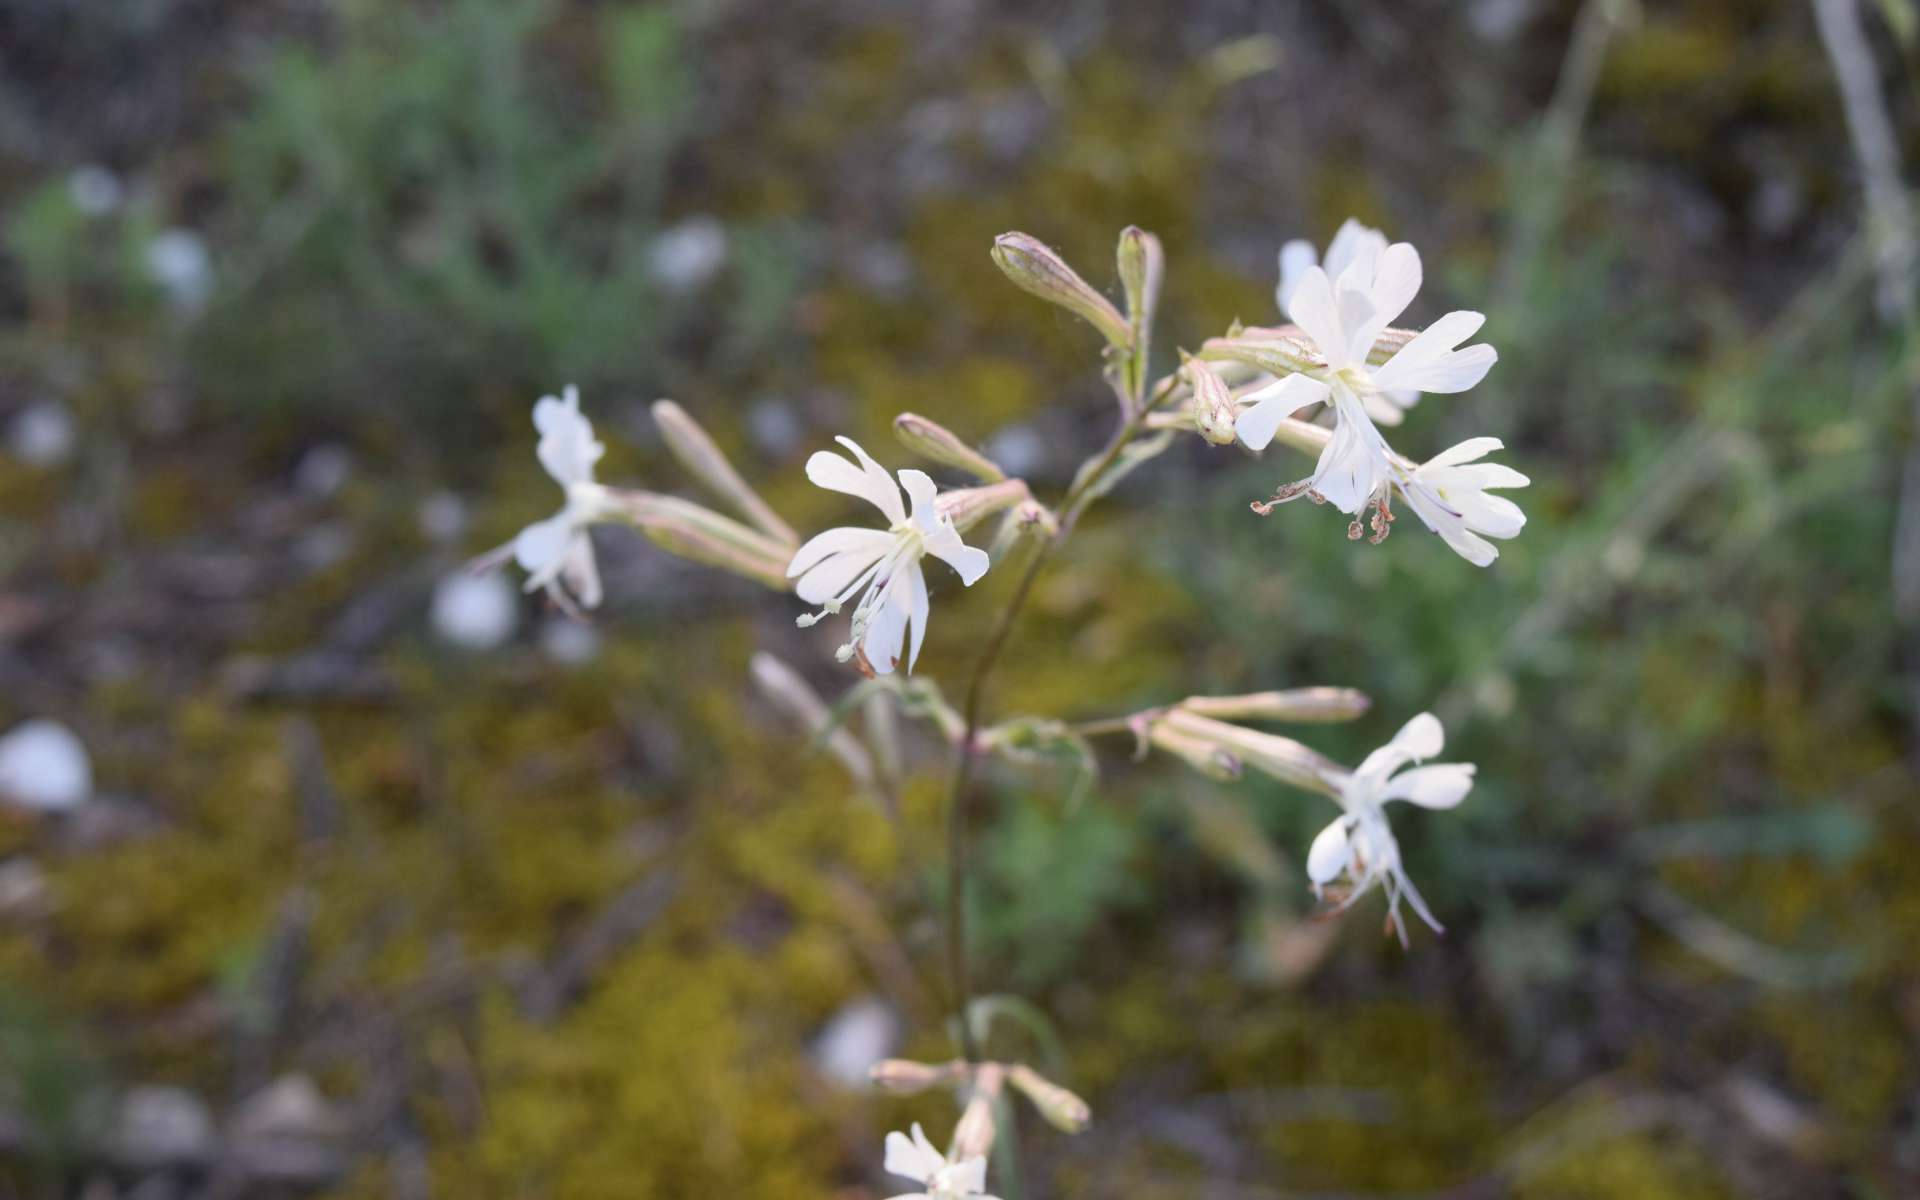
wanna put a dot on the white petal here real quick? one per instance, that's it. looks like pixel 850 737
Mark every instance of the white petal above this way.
pixel 868 480
pixel 1314 312
pixel 922 490
pixel 567 448
pixel 845 539
pixel 916 1159
pixel 886 632
pixel 945 545
pixel 1273 404
pixel 539 546
pixel 1495 516
pixel 833 574
pixel 917 610
pixel 1465 452
pixel 1353 465
pixel 1429 363
pixel 581 571
pixel 1422 737
pixel 1450 524
pixel 1443 785
pixel 1482 476
pixel 1327 857
pixel 1352 241
pixel 1396 280
pixel 1295 258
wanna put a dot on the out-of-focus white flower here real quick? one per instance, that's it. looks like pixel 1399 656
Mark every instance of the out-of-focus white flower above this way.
pixel 178 261
pixel 44 765
pixel 474 612
pixel 858 1036
pixel 685 257
pixel 1359 844
pixel 557 553
pixel 42 434
pixel 1344 318
pixel 882 567
pixel 1448 493
pixel 916 1159
pixel 95 190
pixel 1351 241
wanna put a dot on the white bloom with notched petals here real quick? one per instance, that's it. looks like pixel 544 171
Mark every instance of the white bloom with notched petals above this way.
pixel 916 1159
pixel 1352 241
pixel 1343 318
pixel 1360 845
pixel 557 553
pixel 880 566
pixel 1449 493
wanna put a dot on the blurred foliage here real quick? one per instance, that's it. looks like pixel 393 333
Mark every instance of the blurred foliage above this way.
pixel 1685 865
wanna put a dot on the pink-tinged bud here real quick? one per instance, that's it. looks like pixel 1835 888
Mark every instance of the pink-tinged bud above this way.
pixel 973 1136
pixel 1142 265
pixel 905 1077
pixel 1315 704
pixel 1213 410
pixel 1269 753
pixel 702 535
pixel 1061 1108
pixel 934 442
pixel 969 506
pixel 1199 753
pixel 703 459
pixel 1285 354
pixel 1035 268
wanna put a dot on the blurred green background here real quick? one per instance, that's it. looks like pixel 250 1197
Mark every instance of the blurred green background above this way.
pixel 582 916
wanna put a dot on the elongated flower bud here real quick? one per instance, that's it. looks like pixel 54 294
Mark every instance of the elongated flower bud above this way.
pixel 1315 704
pixel 1061 1108
pixel 702 535
pixel 698 454
pixel 933 441
pixel 1202 754
pixel 1279 757
pixel 1390 342
pixel 1282 355
pixel 973 1136
pixel 969 506
pixel 905 1077
pixel 1213 410
pixel 786 691
pixel 1035 268
pixel 1142 264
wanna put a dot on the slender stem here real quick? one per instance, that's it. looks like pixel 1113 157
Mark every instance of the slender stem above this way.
pixel 958 970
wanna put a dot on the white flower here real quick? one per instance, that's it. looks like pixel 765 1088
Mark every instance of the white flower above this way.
pixel 919 1161
pixel 1448 493
pixel 557 553
pixel 1351 241
pixel 882 567
pixel 1360 844
pixel 1343 318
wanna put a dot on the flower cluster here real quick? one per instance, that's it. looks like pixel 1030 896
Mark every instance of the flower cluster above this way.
pixel 1342 313
pixel 1340 353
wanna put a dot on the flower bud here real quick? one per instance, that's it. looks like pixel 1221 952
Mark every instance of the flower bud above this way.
pixel 969 506
pixel 1213 410
pixel 786 691
pixel 1035 268
pixel 1316 704
pixel 1281 355
pixel 702 535
pixel 1199 753
pixel 1281 758
pixel 1061 1108
pixel 934 442
pixel 1303 436
pixel 905 1077
pixel 1141 266
pixel 698 454
pixel 973 1136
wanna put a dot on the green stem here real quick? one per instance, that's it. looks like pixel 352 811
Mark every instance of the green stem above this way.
pixel 958 971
